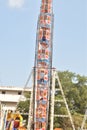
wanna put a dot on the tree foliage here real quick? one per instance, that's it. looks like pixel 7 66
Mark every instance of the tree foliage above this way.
pixel 75 89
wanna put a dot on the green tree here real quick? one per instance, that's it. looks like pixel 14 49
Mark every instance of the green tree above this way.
pixel 75 90
pixel 23 107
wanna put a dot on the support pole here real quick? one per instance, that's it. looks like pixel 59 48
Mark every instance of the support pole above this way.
pixel 52 100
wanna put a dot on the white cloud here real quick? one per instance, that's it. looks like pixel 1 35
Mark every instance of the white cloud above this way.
pixel 16 3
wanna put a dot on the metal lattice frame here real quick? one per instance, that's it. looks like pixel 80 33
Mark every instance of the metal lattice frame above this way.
pixel 43 65
pixel 52 102
pixel 54 78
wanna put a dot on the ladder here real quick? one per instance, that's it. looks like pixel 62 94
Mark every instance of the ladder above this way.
pixel 30 116
pixel 84 121
pixel 53 101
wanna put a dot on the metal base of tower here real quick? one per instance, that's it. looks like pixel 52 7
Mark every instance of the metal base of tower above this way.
pixel 52 102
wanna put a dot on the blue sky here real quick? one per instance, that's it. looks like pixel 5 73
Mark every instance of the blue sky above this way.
pixel 18 23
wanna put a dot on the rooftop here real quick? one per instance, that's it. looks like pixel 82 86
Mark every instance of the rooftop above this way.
pixel 12 88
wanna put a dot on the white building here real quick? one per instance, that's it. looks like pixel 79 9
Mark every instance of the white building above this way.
pixel 10 96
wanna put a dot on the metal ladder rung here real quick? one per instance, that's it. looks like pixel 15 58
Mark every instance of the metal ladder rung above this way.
pixel 61 115
pixel 57 89
pixel 59 100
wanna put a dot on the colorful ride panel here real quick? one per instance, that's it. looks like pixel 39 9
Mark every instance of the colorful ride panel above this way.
pixel 43 65
pixel 13 121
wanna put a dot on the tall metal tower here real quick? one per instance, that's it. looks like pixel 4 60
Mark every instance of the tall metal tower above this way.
pixel 42 67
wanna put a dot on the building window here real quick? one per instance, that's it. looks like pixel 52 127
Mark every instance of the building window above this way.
pixel 3 92
pixel 19 93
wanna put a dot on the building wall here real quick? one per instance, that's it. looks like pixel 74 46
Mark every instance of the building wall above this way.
pixel 10 96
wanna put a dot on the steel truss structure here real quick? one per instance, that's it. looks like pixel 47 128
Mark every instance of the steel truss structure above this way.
pixel 52 102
